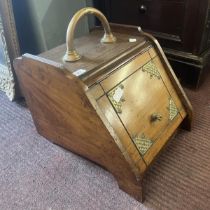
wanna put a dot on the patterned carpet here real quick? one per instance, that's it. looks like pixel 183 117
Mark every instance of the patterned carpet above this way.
pixel 35 174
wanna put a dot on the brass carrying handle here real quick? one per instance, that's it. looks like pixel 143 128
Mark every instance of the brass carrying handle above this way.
pixel 71 53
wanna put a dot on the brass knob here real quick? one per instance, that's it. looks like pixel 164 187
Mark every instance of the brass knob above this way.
pixel 142 9
pixel 155 117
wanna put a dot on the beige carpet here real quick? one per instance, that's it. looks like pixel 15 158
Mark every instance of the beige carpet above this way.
pixel 35 174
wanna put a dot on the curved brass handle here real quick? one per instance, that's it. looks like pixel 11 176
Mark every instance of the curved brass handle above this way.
pixel 71 54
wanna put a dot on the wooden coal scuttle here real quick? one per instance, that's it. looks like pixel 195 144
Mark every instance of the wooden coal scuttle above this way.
pixel 116 102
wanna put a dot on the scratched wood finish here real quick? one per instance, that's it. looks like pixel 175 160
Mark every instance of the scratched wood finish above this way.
pixel 79 114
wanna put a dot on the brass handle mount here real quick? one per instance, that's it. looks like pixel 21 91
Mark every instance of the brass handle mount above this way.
pixel 71 54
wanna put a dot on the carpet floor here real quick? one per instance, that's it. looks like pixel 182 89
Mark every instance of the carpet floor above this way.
pixel 36 174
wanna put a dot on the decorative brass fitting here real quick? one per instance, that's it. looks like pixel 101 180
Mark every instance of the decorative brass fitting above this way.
pixel 71 53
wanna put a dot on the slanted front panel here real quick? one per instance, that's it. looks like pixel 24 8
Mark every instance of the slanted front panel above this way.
pixel 143 105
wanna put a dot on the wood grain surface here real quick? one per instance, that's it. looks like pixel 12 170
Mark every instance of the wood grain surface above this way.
pixel 117 115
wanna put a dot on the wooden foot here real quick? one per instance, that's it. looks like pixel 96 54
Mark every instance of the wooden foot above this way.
pixel 187 124
pixel 133 189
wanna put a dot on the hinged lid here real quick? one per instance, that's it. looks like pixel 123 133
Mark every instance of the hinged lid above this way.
pixel 95 54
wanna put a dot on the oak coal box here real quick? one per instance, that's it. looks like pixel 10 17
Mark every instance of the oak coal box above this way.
pixel 117 102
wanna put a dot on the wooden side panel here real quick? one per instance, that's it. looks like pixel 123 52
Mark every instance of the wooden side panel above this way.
pixel 63 114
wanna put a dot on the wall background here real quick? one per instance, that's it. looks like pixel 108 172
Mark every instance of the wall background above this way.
pixel 41 25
